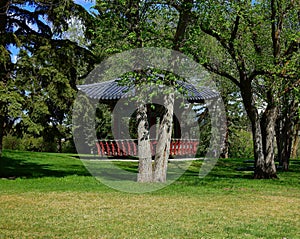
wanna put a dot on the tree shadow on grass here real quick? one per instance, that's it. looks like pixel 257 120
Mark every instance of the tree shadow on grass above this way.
pixel 226 169
pixel 12 168
pixel 234 169
pixel 220 174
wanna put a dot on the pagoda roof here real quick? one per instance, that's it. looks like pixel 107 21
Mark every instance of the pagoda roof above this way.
pixel 112 91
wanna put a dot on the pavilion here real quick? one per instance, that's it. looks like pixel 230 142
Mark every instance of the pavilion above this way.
pixel 110 92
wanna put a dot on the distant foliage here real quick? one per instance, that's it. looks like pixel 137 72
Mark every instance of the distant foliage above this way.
pixel 241 144
pixel 36 144
pixel 12 143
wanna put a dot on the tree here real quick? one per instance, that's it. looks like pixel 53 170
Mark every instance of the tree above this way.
pixel 49 90
pixel 257 40
pixel 288 118
pixel 286 125
pixel 33 26
pixel 125 25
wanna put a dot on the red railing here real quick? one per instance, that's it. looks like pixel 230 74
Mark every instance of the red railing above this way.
pixel 129 147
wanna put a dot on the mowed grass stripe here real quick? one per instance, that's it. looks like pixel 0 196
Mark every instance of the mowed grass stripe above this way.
pixel 119 215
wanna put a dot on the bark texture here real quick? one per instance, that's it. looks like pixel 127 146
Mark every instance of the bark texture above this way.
pixel 263 130
pixel 296 140
pixel 284 141
pixel 144 149
pixel 163 143
pixel 268 122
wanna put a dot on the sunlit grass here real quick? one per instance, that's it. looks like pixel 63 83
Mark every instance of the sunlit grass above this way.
pixel 53 196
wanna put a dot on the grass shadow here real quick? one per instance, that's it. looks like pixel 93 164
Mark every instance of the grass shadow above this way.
pixel 35 165
pixel 224 168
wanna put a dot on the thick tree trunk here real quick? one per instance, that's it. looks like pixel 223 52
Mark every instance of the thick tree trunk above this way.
pixel 268 123
pixel 164 139
pixel 264 158
pixel 144 149
pixel 295 141
pixel 256 129
pixel 259 171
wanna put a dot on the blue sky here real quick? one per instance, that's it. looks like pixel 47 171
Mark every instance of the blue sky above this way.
pixel 87 4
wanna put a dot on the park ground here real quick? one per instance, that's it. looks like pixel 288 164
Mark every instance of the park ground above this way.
pixel 45 195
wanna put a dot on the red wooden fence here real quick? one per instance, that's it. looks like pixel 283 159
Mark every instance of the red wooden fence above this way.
pixel 129 147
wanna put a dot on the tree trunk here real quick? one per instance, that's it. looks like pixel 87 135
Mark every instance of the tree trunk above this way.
pixel 165 129
pixel 259 171
pixel 59 146
pixel 280 139
pixel 295 141
pixel 144 149
pixel 284 141
pixel 225 148
pixel 1 134
pixel 264 159
pixel 284 133
pixel 164 140
pixel 253 115
pixel 268 123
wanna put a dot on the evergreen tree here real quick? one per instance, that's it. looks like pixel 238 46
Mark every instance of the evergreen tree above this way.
pixel 45 59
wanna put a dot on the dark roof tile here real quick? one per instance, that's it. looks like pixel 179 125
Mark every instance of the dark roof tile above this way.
pixel 112 90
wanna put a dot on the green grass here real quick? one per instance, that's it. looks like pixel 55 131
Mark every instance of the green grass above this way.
pixel 45 195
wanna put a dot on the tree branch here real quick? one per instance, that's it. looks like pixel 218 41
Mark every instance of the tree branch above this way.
pixel 229 46
pixel 235 30
pixel 184 18
pixel 290 88
pixel 277 25
pixel 30 17
pixel 214 34
pixel 257 73
pixel 214 69
pixel 293 47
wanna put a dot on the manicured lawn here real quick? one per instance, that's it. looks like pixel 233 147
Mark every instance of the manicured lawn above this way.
pixel 53 196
